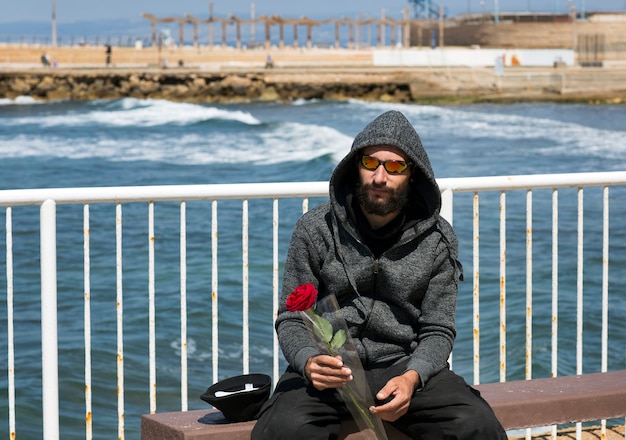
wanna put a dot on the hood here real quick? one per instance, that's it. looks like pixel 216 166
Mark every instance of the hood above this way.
pixel 390 128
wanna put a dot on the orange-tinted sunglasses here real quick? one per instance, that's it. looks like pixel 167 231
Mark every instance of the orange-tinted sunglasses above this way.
pixel 391 166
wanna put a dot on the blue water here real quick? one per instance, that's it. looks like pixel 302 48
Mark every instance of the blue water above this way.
pixel 132 142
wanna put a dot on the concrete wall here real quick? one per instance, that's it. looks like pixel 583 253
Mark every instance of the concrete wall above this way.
pixel 540 35
pixel 472 57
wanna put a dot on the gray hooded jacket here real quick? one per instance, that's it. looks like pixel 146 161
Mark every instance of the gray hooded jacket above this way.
pixel 398 305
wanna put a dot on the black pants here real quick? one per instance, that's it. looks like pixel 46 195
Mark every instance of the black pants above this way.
pixel 446 408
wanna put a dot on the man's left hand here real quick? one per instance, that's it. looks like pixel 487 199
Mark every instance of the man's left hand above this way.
pixel 400 389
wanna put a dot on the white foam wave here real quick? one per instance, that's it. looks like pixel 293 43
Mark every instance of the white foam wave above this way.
pixel 288 142
pixel 285 142
pixel 192 350
pixel 272 143
pixel 299 141
pixel 19 100
pixel 555 136
pixel 131 112
pixel 302 101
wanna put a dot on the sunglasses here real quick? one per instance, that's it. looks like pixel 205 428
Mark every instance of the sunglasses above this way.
pixel 391 166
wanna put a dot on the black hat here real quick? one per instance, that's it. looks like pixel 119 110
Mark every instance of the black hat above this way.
pixel 239 398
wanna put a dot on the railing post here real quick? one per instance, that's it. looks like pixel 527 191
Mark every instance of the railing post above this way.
pixel 49 338
pixel 447 199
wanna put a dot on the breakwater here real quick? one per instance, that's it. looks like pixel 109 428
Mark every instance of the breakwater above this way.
pixel 289 84
pixel 191 86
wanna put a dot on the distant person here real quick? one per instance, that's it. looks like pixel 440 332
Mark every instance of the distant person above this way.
pixel 269 62
pixel 45 60
pixel 108 53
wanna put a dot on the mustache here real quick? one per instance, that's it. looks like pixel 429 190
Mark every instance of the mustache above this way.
pixel 378 186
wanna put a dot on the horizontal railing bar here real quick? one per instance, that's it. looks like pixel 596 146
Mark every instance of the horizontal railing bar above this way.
pixel 532 181
pixel 293 189
pixel 122 194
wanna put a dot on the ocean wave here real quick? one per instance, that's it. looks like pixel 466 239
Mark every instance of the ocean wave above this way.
pixel 264 145
pixel 548 136
pixel 199 134
pixel 302 101
pixel 20 100
pixel 283 142
pixel 131 112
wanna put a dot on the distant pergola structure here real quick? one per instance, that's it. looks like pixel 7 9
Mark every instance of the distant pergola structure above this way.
pixel 281 22
pixel 275 20
pixel 224 22
pixel 154 20
pixel 380 24
pixel 238 22
pixel 195 21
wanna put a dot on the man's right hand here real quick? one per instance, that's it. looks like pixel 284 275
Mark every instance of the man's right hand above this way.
pixel 327 372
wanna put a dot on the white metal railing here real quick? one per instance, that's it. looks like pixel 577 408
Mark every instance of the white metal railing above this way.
pixel 49 199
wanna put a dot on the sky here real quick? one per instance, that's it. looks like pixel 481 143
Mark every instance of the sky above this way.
pixel 68 11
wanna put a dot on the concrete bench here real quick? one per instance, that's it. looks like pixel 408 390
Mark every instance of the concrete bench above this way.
pixel 517 404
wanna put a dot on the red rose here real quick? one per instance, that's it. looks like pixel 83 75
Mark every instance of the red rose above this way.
pixel 302 298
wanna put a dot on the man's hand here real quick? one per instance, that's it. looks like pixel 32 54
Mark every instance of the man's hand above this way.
pixel 400 389
pixel 327 372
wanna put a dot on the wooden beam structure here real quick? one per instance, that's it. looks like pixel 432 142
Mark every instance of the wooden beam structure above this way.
pixel 276 20
pixel 154 20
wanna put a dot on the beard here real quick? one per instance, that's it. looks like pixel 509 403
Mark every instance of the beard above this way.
pixel 396 200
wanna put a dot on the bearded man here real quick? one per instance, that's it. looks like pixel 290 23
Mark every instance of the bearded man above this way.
pixel 381 247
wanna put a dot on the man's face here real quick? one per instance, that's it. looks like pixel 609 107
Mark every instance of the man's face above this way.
pixel 381 192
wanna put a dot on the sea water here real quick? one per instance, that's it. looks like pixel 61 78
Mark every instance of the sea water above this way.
pixel 152 142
